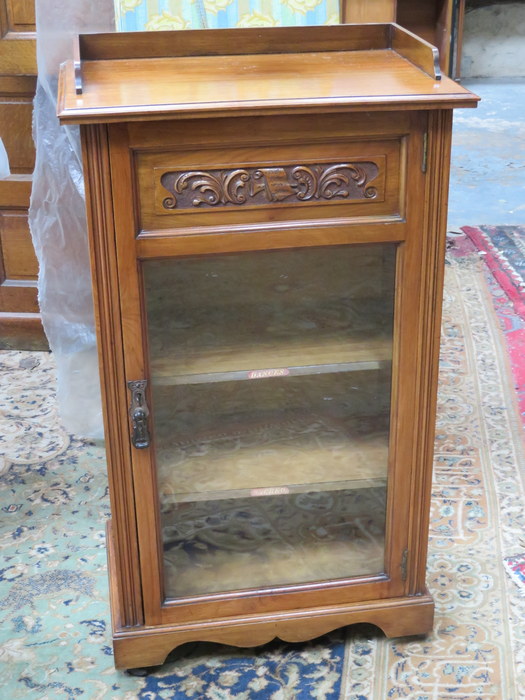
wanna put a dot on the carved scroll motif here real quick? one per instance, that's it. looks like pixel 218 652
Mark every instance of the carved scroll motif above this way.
pixel 262 186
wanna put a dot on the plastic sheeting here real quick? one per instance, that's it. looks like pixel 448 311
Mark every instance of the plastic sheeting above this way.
pixel 58 220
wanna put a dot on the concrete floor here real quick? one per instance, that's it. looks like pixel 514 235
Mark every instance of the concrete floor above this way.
pixel 488 156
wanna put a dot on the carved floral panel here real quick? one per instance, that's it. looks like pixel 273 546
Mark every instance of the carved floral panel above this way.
pixel 263 186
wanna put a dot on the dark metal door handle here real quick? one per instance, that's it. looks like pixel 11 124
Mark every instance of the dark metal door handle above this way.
pixel 139 413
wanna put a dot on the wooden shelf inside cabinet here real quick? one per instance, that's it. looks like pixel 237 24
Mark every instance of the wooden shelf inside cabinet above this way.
pixel 269 344
pixel 276 490
pixel 377 351
pixel 251 317
pixel 296 454
pixel 246 358
pixel 328 534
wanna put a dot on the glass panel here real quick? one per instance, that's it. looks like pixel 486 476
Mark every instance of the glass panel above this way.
pixel 271 376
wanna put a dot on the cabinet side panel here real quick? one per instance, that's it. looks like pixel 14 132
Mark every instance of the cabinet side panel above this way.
pixel 434 231
pixel 107 309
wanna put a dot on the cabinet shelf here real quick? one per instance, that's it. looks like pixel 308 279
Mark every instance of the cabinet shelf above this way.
pixel 379 361
pixel 293 456
pixel 228 544
pixel 246 344
pixel 280 490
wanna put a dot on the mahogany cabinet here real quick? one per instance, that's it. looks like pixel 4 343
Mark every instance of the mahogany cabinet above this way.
pixel 267 217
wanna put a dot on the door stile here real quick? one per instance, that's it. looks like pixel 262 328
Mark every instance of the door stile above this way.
pixel 422 259
pixel 136 369
pixel 407 382
pixel 127 590
pixel 432 273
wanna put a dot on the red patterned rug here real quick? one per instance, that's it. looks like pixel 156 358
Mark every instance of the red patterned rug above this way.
pixel 503 250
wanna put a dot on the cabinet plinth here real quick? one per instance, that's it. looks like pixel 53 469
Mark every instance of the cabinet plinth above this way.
pixel 267 216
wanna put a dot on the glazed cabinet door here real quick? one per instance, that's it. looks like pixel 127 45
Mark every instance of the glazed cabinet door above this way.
pixel 270 382
pixel 270 294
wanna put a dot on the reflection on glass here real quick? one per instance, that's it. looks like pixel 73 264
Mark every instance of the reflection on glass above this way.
pixel 271 382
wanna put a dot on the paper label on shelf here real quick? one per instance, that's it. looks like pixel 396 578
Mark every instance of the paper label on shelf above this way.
pixel 270 491
pixel 265 373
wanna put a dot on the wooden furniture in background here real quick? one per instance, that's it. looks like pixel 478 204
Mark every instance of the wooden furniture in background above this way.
pixel 439 22
pixel 20 321
pixel 267 238
pixel 362 11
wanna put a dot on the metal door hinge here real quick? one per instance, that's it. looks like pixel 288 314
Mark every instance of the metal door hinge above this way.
pixel 424 160
pixel 404 564
pixel 139 412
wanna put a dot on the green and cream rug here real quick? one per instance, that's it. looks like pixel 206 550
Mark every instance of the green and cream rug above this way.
pixel 55 626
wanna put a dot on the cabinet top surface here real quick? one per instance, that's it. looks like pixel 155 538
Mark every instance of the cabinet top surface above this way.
pixel 162 75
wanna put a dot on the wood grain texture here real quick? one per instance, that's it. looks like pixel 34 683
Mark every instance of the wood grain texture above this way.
pixel 134 349
pixel 443 36
pixel 18 16
pixel 419 17
pixel 15 127
pixel 439 22
pixel 295 86
pixel 268 236
pixel 15 192
pixel 315 79
pixel 161 207
pixel 128 229
pixel 420 53
pixel 227 360
pixel 136 358
pixel 268 184
pixel 22 297
pixel 434 226
pixel 395 617
pixel 360 11
pixel 23 86
pixel 18 56
pixel 201 144
pixel 17 248
pixel 19 312
pixel 108 321
pixel 231 42
pixel 21 324
pixel 22 331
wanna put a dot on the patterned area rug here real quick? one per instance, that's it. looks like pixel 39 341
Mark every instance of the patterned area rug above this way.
pixel 502 248
pixel 55 630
